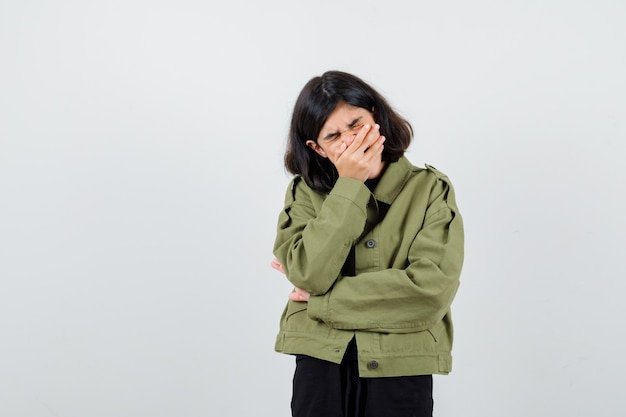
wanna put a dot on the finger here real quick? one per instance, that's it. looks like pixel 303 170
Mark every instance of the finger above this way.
pixel 357 144
pixel 372 136
pixel 375 149
pixel 304 295
pixel 343 148
pixel 277 265
pixel 296 297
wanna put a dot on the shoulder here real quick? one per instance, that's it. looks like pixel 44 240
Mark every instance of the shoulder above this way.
pixel 439 183
pixel 407 167
pixel 440 175
pixel 448 190
pixel 431 174
pixel 299 192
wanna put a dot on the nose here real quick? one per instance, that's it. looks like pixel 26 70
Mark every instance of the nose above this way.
pixel 348 137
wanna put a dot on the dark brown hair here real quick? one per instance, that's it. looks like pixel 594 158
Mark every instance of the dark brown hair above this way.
pixel 316 102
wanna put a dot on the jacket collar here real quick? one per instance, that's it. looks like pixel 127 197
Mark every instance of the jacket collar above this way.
pixel 391 183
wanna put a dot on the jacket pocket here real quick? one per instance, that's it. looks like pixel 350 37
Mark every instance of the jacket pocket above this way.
pixel 419 342
pixel 436 330
pixel 294 316
pixel 295 307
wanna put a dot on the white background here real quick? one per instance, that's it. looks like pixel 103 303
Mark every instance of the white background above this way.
pixel 141 177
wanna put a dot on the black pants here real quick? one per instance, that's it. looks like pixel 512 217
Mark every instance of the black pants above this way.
pixel 325 389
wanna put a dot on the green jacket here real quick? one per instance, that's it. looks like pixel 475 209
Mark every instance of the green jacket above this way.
pixel 382 267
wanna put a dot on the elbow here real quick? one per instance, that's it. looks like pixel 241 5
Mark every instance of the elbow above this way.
pixel 444 301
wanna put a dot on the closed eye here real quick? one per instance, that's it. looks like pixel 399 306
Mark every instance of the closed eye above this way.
pixel 332 136
pixel 352 127
pixel 356 127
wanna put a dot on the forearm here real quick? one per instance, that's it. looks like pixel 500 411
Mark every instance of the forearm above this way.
pixel 391 302
pixel 399 300
pixel 312 243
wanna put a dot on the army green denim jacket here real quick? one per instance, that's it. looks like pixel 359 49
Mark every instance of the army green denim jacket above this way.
pixel 381 266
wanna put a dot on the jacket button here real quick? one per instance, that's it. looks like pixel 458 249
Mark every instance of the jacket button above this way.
pixel 370 243
pixel 372 364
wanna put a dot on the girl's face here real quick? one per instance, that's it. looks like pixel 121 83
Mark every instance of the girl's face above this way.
pixel 341 127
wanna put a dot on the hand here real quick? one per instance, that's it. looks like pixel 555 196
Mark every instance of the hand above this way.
pixel 361 158
pixel 297 294
pixel 277 266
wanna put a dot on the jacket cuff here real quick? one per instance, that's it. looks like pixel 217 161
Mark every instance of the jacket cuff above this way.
pixel 317 306
pixel 353 190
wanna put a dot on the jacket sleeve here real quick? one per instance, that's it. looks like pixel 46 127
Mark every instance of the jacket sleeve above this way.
pixel 313 246
pixel 403 300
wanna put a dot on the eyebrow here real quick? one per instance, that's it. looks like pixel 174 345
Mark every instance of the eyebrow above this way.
pixel 349 126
